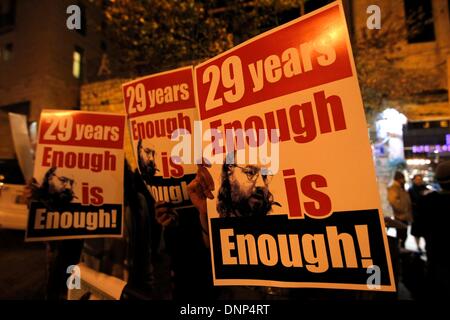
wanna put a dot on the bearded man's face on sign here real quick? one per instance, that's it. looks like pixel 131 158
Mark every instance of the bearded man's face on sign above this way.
pixel 244 191
pixel 56 190
pixel 146 160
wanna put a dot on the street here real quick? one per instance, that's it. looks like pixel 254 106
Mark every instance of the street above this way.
pixel 22 267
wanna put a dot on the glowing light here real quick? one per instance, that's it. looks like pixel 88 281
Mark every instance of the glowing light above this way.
pixel 59 113
pixel 76 66
pixel 330 36
pixel 418 162
pixel 431 148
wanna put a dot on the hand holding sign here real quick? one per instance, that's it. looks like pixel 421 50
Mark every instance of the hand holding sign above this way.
pixel 165 214
pixel 201 188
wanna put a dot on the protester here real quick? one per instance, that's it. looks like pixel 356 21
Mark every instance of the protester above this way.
pixel 155 227
pixel 244 191
pixel 401 205
pixel 416 192
pixel 56 191
pixel 127 258
pixel 182 232
pixel 437 221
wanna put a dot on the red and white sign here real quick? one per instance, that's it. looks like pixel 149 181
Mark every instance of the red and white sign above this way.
pixel 78 176
pixel 310 217
pixel 161 113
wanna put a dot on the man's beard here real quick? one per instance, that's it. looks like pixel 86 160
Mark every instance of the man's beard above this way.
pixel 259 203
pixel 148 170
pixel 61 198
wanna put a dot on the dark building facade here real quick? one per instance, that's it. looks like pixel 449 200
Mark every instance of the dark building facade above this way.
pixel 42 63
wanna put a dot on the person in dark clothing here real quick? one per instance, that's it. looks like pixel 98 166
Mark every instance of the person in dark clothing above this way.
pixel 155 227
pixel 416 192
pixel 191 260
pixel 139 255
pixel 244 191
pixel 55 191
pixel 60 255
pixel 126 258
pixel 437 221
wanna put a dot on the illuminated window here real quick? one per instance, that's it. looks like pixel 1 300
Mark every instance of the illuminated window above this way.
pixel 77 63
pixel 6 52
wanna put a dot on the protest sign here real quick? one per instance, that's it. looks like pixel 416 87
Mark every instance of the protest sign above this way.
pixel 161 112
pixel 295 206
pixel 78 176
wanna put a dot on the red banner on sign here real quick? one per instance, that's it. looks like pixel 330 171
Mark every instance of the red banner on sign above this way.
pixel 169 91
pixel 275 64
pixel 82 129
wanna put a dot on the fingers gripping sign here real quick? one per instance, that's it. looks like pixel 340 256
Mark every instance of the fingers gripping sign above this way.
pixel 165 214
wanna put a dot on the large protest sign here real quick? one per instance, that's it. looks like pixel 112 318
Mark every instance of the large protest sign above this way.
pixel 297 206
pixel 78 176
pixel 161 112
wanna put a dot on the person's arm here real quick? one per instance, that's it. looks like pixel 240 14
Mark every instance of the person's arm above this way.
pixel 199 190
pixel 30 191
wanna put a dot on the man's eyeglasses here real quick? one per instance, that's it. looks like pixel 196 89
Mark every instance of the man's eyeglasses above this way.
pixel 65 180
pixel 150 153
pixel 253 173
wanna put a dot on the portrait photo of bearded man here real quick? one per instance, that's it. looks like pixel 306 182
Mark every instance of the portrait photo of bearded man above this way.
pixel 55 191
pixel 244 191
pixel 146 154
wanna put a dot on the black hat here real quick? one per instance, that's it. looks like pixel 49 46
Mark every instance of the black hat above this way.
pixel 442 174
